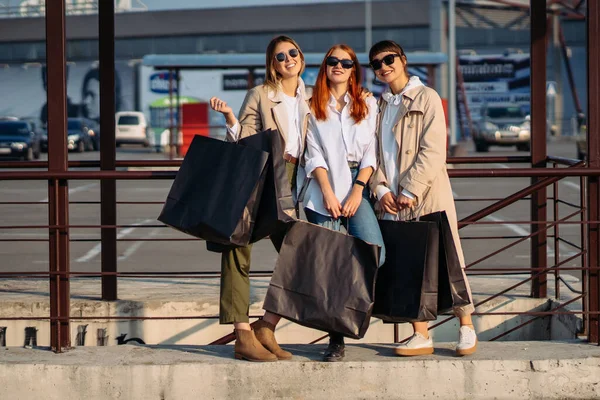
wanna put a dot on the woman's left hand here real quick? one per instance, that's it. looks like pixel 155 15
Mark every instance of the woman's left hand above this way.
pixel 365 94
pixel 352 202
pixel 404 202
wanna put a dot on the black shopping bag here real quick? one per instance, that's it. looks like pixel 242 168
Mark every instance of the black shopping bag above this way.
pixel 217 190
pixel 276 205
pixel 325 280
pixel 452 288
pixel 407 283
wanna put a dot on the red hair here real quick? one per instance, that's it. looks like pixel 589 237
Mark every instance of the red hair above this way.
pixel 321 94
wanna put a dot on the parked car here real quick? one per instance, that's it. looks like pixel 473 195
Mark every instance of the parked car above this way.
pixel 502 126
pixel 82 135
pixel 18 140
pixel 131 128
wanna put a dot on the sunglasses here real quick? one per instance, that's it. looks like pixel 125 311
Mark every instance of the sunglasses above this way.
pixel 387 60
pixel 281 56
pixel 333 61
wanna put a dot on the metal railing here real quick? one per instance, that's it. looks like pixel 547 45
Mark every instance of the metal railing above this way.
pixel 560 168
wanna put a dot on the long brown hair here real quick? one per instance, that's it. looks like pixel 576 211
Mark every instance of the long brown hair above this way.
pixel 321 93
pixel 272 77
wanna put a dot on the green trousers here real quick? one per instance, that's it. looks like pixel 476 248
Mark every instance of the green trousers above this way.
pixel 234 302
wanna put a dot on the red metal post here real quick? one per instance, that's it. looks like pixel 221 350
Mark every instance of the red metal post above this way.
pixel 538 143
pixel 108 187
pixel 584 254
pixel 593 152
pixel 172 137
pixel 556 238
pixel 58 193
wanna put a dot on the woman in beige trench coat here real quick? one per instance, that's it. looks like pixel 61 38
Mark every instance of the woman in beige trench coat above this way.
pixel 412 179
pixel 281 104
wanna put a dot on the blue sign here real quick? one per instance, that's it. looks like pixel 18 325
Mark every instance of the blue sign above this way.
pixel 159 82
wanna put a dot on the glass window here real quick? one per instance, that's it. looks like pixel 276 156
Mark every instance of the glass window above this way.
pixel 128 120
pixel 9 128
pixel 73 124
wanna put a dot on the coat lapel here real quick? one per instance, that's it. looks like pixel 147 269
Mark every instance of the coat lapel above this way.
pixel 402 111
pixel 279 112
pixel 304 109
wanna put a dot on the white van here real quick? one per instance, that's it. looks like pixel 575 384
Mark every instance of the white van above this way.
pixel 131 128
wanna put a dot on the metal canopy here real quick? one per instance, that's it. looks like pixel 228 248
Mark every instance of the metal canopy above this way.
pixel 257 60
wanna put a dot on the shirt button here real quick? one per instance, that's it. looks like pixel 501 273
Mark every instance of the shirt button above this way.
pixel 409 151
pixel 411 125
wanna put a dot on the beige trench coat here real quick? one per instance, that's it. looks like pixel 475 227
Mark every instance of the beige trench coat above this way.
pixel 263 109
pixel 420 130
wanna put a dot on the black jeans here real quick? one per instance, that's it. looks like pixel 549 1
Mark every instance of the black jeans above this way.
pixel 336 338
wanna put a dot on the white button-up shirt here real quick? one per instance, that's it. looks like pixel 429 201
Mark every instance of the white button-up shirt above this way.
pixel 330 144
pixel 293 144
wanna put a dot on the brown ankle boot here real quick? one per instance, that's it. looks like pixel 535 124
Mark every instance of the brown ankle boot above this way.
pixel 265 333
pixel 248 348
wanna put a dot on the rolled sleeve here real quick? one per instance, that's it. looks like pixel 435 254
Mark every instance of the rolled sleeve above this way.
pixel 313 156
pixel 408 194
pixel 232 132
pixel 370 156
pixel 381 191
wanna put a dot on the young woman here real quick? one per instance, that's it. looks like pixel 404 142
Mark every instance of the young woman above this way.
pixel 341 156
pixel 281 104
pixel 412 179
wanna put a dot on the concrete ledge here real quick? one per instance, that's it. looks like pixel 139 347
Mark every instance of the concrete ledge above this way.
pixel 199 297
pixel 506 370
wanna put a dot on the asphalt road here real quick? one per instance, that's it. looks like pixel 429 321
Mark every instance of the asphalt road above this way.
pixel 135 254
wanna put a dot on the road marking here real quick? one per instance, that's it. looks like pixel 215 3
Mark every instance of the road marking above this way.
pixel 571 184
pixel 134 247
pixel 75 190
pixel 565 251
pixel 513 227
pixel 98 248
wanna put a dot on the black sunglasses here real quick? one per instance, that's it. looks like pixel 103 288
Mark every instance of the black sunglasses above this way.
pixel 333 61
pixel 387 60
pixel 281 56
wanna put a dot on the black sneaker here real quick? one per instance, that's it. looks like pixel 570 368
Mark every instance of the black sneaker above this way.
pixel 335 352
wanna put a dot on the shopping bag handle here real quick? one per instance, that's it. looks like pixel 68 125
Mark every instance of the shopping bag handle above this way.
pixel 414 211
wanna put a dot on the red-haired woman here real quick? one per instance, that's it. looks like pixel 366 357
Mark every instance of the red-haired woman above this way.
pixel 341 156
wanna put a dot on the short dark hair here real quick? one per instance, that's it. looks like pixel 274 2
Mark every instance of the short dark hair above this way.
pixel 389 46
pixel 385 46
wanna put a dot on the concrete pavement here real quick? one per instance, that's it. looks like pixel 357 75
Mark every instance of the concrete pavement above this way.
pixel 500 370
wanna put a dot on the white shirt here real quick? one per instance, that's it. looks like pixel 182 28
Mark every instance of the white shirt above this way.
pixel 330 144
pixel 389 143
pixel 293 144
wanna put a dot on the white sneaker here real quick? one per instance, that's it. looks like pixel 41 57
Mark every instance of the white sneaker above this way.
pixel 417 345
pixel 467 341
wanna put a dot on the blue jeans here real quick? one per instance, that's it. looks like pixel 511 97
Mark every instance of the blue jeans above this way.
pixel 363 224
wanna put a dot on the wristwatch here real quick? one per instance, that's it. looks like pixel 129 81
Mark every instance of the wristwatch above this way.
pixel 360 183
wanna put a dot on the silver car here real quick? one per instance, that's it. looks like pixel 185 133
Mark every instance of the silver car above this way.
pixel 502 126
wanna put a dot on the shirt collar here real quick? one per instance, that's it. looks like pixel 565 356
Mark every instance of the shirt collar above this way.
pixel 333 101
pixel 396 99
